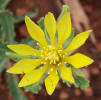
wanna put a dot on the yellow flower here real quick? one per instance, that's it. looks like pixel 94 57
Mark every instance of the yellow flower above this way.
pixel 52 57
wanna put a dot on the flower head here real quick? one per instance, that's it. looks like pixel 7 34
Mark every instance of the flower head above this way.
pixel 53 57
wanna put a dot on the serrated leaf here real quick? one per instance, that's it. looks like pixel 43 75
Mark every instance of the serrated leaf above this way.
pixel 4 3
pixel 77 72
pixel 7 26
pixel 13 87
pixel 33 88
pixel 81 82
pixel 80 79
pixel 22 17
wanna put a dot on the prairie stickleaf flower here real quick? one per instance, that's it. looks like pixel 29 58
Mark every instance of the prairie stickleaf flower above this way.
pixel 53 57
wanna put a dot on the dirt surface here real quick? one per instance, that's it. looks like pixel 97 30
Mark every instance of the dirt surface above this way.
pixel 93 72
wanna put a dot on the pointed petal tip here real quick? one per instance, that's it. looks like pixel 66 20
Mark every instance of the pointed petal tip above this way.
pixel 73 80
pixel 92 61
pixel 8 71
pixel 26 17
pixel 8 46
pixel 90 30
pixel 20 85
pixel 65 6
pixel 50 13
pixel 49 93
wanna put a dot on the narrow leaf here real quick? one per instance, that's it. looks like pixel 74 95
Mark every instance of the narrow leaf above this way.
pixel 4 3
pixel 7 26
pixel 13 87
pixel 2 64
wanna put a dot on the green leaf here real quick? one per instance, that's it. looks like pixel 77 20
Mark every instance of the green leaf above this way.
pixel 3 57
pixel 41 23
pixel 4 3
pixel 7 26
pixel 80 79
pixel 22 17
pixel 69 40
pixel 16 92
pixel 81 82
pixel 33 88
pixel 77 72
pixel 2 64
pixel 3 48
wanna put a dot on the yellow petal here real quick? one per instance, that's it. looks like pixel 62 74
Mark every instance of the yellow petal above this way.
pixel 24 49
pixel 64 28
pixel 53 69
pixel 50 25
pixel 24 66
pixel 66 74
pixel 51 82
pixel 35 31
pixel 32 77
pixel 78 41
pixel 79 60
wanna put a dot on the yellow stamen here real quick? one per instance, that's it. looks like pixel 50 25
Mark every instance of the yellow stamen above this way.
pixel 52 55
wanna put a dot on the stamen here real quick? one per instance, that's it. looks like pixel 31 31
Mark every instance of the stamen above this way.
pixel 51 55
pixel 37 43
pixel 51 69
pixel 41 62
pixel 44 62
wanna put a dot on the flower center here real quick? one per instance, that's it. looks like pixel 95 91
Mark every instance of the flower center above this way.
pixel 52 55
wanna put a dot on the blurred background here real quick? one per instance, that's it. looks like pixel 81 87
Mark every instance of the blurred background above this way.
pixel 86 14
